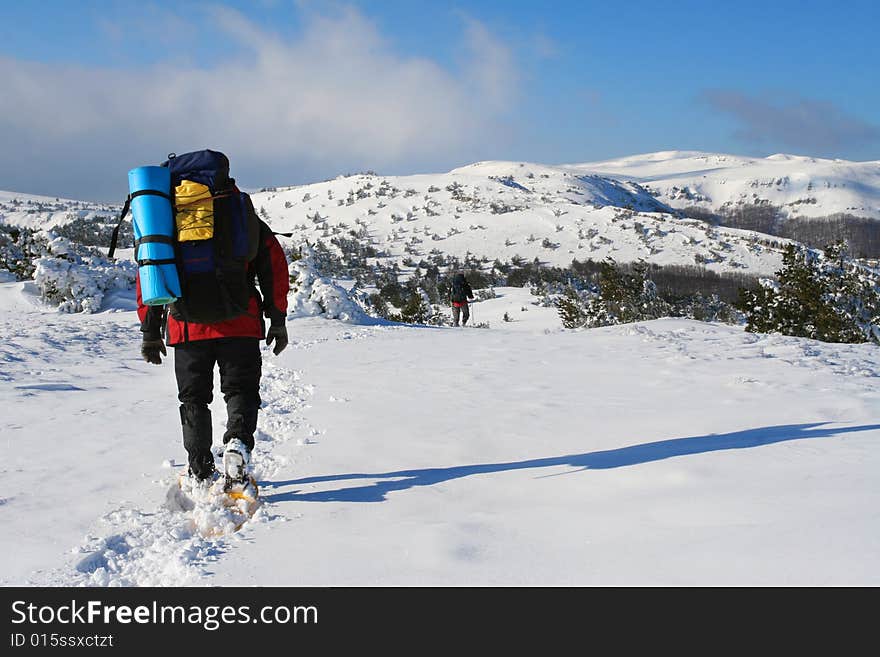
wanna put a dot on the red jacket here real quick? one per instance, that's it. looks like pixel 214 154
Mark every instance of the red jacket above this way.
pixel 269 268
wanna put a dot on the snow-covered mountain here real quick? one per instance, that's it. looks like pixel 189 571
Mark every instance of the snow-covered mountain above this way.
pixel 505 210
pixel 799 186
pixel 627 209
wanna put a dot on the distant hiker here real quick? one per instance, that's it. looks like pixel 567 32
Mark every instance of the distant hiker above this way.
pixel 219 317
pixel 461 293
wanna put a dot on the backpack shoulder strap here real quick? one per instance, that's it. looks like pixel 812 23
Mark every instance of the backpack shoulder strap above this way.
pixel 252 222
pixel 115 237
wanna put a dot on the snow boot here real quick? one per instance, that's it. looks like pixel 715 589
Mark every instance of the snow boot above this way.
pixel 236 458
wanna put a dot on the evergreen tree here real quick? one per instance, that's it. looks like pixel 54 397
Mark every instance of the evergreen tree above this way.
pixel 820 296
pixel 570 307
pixel 416 310
pixel 620 298
pixel 625 297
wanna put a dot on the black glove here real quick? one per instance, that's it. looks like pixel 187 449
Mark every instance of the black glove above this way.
pixel 151 348
pixel 279 335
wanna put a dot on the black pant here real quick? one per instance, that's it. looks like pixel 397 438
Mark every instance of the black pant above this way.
pixel 463 311
pixel 240 365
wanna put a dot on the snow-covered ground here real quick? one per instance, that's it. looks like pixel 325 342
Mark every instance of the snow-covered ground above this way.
pixel 670 452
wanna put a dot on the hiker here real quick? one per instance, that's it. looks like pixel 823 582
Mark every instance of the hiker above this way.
pixel 231 342
pixel 461 293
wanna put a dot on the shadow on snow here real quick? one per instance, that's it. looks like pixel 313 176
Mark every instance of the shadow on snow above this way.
pixel 612 458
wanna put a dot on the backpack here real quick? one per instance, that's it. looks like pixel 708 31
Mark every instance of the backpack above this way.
pixel 460 289
pixel 216 235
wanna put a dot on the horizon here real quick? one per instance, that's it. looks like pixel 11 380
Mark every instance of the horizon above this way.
pixel 418 88
pixel 574 163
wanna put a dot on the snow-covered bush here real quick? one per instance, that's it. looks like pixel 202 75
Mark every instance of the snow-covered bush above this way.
pixel 618 298
pixel 618 294
pixel 418 309
pixel 708 308
pixel 95 230
pixel 19 248
pixel 485 293
pixel 312 294
pixel 76 277
pixel 72 276
pixel 820 296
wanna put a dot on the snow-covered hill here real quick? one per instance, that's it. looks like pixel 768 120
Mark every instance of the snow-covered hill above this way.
pixel 627 209
pixel 800 186
pixel 43 212
pixel 505 210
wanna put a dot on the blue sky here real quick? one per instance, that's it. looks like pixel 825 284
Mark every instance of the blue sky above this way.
pixel 301 91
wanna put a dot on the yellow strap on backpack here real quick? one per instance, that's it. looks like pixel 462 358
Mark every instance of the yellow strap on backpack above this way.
pixel 195 211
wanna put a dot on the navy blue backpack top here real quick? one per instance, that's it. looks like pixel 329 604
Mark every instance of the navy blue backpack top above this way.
pixel 217 233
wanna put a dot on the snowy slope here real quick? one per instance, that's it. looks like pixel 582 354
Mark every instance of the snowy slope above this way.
pixel 626 209
pixel 669 452
pixel 505 210
pixel 42 212
pixel 488 210
pixel 801 186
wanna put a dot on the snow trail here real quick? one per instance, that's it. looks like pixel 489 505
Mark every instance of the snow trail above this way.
pixel 164 546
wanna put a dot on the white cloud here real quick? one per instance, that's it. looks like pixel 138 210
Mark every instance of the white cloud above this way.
pixel 492 69
pixel 336 96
